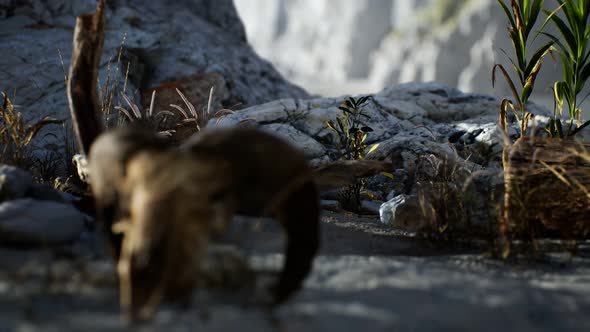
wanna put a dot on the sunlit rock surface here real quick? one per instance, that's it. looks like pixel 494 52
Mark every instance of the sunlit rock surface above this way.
pixel 334 47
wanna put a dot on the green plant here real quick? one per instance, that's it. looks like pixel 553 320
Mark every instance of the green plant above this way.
pixel 351 130
pixel 352 133
pixel 16 134
pixel 522 18
pixel 575 61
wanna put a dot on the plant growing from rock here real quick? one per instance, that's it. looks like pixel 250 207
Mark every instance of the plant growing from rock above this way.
pixel 16 134
pixel 198 119
pixel 533 167
pixel 147 118
pixel 575 62
pixel 350 128
pixel 352 133
pixel 522 18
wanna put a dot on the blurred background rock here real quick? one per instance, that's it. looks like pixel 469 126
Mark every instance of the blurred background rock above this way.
pixel 335 47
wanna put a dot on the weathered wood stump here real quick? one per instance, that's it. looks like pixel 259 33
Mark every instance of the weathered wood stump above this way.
pixel 547 184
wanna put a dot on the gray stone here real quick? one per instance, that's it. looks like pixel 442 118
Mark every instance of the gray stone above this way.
pixel 26 222
pixel 44 192
pixel 371 207
pixel 331 205
pixel 161 40
pixel 307 144
pixel 14 182
pixel 483 195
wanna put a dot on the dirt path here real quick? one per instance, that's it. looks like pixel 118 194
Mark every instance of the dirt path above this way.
pixel 366 278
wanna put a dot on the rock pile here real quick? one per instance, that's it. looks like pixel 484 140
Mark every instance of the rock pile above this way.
pixel 36 214
pixel 444 144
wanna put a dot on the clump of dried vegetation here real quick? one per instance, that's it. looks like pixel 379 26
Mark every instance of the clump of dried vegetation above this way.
pixel 16 135
pixel 117 109
pixel 547 180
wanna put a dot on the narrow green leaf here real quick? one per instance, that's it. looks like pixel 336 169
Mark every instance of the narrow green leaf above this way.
pixel 556 41
pixel 509 81
pixel 567 67
pixel 517 44
pixel 526 91
pixel 534 14
pixel 330 125
pixel 525 6
pixel 363 100
pixel 341 125
pixel 566 33
pixel 547 20
pixel 508 14
pixel 571 15
pixel 537 58
pixel 517 15
pixel 558 94
pixel 387 174
pixel 532 76
pixel 373 147
pixel 585 73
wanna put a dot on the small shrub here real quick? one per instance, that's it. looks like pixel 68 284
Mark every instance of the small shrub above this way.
pixel 575 62
pixel 522 19
pixel 350 128
pixel 352 133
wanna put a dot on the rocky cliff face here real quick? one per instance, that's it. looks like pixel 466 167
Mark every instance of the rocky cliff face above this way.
pixel 192 45
pixel 326 45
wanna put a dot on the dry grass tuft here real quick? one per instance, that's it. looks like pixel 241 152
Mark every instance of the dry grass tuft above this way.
pixel 16 134
pixel 547 191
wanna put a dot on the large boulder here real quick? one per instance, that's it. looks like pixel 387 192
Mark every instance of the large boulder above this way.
pixel 27 222
pixel 190 45
pixel 14 182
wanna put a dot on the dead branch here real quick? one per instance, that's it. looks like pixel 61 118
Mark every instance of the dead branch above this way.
pixel 83 74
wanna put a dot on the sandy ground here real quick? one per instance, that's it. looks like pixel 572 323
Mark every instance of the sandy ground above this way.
pixel 366 278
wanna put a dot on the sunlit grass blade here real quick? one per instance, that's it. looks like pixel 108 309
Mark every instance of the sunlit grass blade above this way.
pixel 508 81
